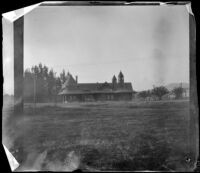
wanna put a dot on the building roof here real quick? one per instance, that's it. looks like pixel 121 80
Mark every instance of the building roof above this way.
pixel 120 74
pixel 83 88
pixel 69 81
pixel 114 78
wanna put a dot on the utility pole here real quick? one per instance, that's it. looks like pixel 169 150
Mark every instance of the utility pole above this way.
pixel 55 93
pixel 34 87
pixel 56 98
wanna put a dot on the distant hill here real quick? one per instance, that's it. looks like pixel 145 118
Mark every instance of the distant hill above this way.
pixel 171 86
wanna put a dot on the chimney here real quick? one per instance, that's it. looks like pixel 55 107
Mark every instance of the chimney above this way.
pixel 76 79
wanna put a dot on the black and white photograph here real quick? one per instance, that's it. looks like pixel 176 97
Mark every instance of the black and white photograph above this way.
pixel 100 87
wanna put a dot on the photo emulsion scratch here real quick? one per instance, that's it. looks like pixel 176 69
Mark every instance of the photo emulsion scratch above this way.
pixel 100 87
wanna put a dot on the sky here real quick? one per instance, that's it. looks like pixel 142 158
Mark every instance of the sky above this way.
pixel 149 44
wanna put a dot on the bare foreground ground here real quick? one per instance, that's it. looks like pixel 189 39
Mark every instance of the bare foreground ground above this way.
pixel 100 136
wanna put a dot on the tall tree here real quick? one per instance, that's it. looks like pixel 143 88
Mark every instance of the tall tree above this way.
pixel 58 83
pixel 51 83
pixel 28 86
pixel 145 94
pixel 160 91
pixel 42 82
pixel 178 92
pixel 63 76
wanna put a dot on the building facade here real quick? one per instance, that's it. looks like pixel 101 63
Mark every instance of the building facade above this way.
pixel 116 90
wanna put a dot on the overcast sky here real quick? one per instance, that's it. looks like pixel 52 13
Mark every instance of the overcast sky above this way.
pixel 149 44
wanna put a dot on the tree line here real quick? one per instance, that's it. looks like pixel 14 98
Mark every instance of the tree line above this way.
pixel 41 84
pixel 160 91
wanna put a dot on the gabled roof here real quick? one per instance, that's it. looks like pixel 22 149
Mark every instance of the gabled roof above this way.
pixel 97 88
pixel 120 74
pixel 69 80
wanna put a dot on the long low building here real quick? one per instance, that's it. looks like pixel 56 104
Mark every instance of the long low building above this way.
pixel 116 90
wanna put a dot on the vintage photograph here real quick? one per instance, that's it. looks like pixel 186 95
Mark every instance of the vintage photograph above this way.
pixel 99 88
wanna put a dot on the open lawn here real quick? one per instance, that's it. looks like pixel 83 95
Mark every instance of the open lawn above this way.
pixel 100 136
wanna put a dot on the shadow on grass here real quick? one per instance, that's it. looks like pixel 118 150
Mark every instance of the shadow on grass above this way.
pixel 144 152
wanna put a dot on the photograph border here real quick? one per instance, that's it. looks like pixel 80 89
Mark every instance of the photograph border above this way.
pixel 18 34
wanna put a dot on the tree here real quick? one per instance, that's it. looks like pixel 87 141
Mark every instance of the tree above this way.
pixel 145 94
pixel 178 92
pixel 43 83
pixel 28 86
pixel 63 77
pixel 51 83
pixel 160 91
pixel 58 83
pixel 37 83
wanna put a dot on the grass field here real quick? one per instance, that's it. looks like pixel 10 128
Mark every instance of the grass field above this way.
pixel 101 136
